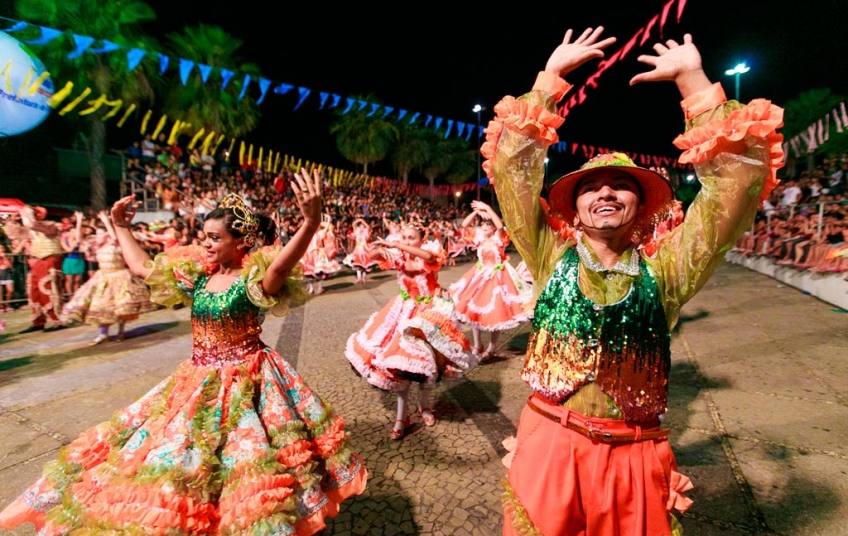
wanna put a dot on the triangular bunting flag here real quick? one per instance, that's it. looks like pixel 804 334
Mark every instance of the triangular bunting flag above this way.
pixel 324 97
pixel 82 42
pixel 460 128
pixel 185 69
pixel 350 103
pixel 18 26
pixel 282 89
pixel 47 35
pixel 480 132
pixel 362 105
pixel 204 71
pixel 264 84
pixel 226 76
pixel 336 99
pixel 244 85
pixel 304 92
pixel 134 57
pixel 401 113
pixel 386 111
pixel 450 127
pixel 414 117
pixel 163 63
pixel 438 122
pixel 428 121
pixel 107 46
pixel 374 108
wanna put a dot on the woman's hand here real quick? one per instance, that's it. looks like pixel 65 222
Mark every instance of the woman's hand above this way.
pixel 569 56
pixel 676 63
pixel 308 193
pixel 123 211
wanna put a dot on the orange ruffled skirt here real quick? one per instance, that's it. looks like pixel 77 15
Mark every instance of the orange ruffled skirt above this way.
pixel 238 449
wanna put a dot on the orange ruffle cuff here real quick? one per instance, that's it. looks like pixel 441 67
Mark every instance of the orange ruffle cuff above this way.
pixel 759 119
pixel 702 101
pixel 531 120
pixel 551 84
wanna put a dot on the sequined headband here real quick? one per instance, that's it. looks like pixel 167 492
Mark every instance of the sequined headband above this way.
pixel 245 222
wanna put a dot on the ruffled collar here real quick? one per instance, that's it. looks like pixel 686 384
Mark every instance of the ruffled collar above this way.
pixel 627 264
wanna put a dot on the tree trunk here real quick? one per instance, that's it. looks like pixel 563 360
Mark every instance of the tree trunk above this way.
pixel 96 145
pixel 432 181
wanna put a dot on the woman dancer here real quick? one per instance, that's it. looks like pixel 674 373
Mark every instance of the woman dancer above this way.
pixel 456 244
pixel 73 266
pixel 491 296
pixel 319 261
pixel 358 259
pixel 112 295
pixel 413 337
pixel 232 443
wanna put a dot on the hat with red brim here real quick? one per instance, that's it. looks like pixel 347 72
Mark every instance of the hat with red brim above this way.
pixel 656 190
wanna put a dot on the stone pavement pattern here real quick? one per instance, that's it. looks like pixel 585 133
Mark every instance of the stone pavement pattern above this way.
pixel 758 405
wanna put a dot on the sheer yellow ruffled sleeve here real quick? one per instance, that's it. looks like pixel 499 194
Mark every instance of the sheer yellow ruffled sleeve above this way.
pixel 174 274
pixel 290 295
pixel 736 151
pixel 516 143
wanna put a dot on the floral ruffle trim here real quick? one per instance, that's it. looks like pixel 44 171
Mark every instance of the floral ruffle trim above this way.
pixel 291 294
pixel 532 120
pixel 556 222
pixel 664 223
pixel 760 119
pixel 173 275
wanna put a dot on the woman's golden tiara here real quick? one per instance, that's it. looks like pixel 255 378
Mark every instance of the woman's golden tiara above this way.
pixel 245 221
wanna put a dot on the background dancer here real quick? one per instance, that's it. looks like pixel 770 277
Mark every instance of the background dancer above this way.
pixel 358 259
pixel 234 441
pixel 113 295
pixel 413 337
pixel 591 457
pixel 319 260
pixel 491 296
pixel 73 265
pixel 44 282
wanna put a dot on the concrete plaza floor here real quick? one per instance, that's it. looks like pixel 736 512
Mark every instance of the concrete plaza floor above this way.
pixel 758 408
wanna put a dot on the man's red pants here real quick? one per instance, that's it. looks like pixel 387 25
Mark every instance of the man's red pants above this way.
pixel 569 485
pixel 45 289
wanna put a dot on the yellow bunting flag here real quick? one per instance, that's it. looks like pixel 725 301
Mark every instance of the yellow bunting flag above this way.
pixel 126 115
pixel 259 161
pixel 277 163
pixel 73 103
pixel 204 147
pixel 217 144
pixel 94 105
pixel 60 95
pixel 250 156
pixel 232 145
pixel 144 122
pixel 175 132
pixel 160 125
pixel 37 84
pixel 241 154
pixel 196 137
pixel 25 84
pixel 116 105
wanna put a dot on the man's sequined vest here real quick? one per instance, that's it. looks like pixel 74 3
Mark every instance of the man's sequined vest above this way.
pixel 625 348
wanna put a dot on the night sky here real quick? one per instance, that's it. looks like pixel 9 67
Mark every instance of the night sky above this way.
pixel 441 60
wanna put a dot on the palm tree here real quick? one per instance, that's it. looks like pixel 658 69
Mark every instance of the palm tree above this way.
pixel 411 151
pixel 119 21
pixel 806 109
pixel 362 139
pixel 441 158
pixel 204 105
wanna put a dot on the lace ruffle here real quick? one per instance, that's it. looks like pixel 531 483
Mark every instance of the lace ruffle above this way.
pixel 291 293
pixel 759 119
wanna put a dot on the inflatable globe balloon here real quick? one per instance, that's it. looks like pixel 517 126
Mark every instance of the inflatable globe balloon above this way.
pixel 20 111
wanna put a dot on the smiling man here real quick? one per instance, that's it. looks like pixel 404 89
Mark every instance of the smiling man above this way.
pixel 591 456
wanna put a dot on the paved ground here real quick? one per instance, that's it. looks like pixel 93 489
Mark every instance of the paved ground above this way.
pixel 759 408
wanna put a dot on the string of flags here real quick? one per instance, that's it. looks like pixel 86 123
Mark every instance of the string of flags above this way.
pixel 818 132
pixel 212 140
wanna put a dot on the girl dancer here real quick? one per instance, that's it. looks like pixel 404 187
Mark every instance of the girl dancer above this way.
pixel 358 259
pixel 234 442
pixel 413 337
pixel 112 295
pixel 491 296
pixel 319 261
pixel 456 244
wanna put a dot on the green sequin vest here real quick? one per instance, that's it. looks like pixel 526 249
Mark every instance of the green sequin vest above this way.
pixel 625 348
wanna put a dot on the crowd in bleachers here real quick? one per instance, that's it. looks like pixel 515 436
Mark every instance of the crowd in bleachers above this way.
pixel 804 224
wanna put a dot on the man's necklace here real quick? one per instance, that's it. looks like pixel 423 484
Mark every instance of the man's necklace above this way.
pixel 631 268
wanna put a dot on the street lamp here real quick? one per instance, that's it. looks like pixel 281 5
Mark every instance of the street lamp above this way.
pixel 740 69
pixel 477 109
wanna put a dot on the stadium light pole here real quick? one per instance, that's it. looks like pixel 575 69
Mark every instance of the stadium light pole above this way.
pixel 477 109
pixel 737 71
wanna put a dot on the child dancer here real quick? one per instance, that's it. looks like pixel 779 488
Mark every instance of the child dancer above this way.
pixel 358 259
pixel 491 296
pixel 112 295
pixel 413 337
pixel 319 260
pixel 234 442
